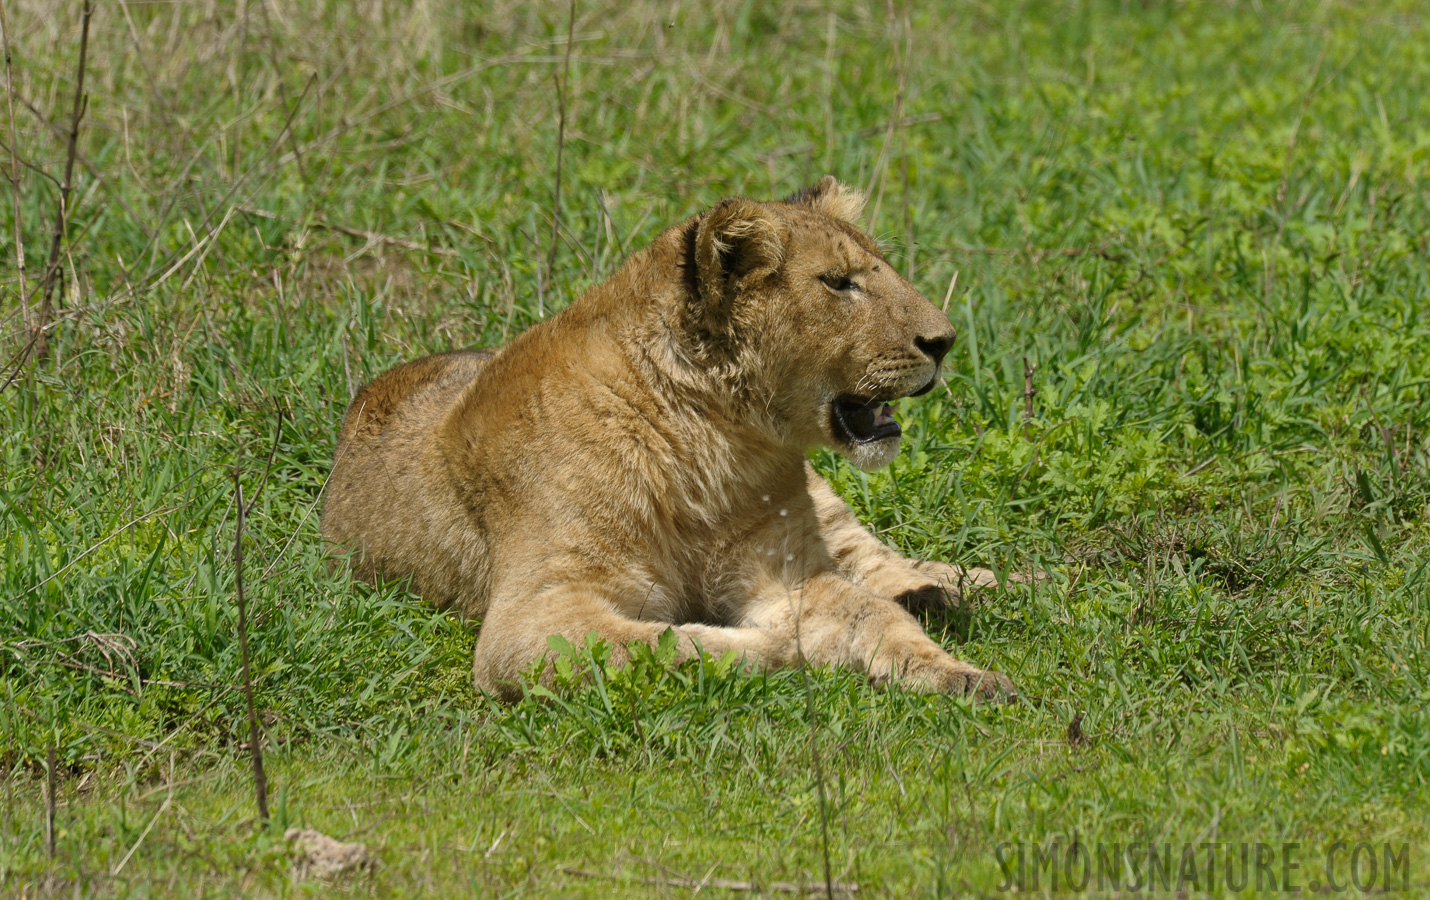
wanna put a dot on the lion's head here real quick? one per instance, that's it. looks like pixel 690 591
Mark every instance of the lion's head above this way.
pixel 804 311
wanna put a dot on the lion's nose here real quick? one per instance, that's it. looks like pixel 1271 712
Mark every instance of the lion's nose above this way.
pixel 935 346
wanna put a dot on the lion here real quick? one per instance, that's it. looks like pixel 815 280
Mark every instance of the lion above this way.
pixel 638 462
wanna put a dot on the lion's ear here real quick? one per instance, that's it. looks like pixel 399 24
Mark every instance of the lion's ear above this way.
pixel 829 196
pixel 735 240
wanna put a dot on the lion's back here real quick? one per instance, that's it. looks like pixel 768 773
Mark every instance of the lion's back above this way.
pixel 375 403
pixel 377 505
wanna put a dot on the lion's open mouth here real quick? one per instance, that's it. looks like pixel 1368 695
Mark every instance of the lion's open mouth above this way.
pixel 860 421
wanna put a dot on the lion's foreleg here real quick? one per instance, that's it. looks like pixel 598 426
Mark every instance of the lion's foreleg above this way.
pixel 515 631
pixel 865 560
pixel 833 621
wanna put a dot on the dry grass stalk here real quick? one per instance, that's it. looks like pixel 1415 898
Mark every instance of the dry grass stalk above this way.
pixel 53 267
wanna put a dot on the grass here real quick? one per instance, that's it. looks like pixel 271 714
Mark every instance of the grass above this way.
pixel 1198 232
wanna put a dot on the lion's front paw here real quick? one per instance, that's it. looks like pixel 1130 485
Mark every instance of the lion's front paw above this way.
pixel 950 585
pixel 982 684
pixel 956 576
pixel 927 598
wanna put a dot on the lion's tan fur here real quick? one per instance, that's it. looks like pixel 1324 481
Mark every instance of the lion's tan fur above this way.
pixel 638 461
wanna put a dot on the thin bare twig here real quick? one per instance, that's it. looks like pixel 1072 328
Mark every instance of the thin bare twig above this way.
pixel 89 166
pixel 881 164
pixel 560 147
pixel 769 156
pixel 322 488
pixel 371 237
pixel 160 103
pixel 15 175
pixel 1311 88
pixel 218 695
pixel 25 163
pixel 52 266
pixel 111 536
pixel 268 464
pixel 282 90
pixel 150 280
pixel 163 807
pixel 255 745
pixel 20 357
pixel 819 780
pixel 1387 434
pixel 50 798
pixel 830 32
pixel 952 283
pixel 904 167
pixel 725 884
pixel 812 713
pixel 1029 392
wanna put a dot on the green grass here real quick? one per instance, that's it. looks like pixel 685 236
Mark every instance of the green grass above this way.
pixel 1202 226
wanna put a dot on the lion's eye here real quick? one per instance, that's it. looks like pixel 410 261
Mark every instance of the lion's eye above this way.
pixel 837 282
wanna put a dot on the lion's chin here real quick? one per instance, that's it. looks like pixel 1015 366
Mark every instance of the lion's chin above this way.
pixel 870 455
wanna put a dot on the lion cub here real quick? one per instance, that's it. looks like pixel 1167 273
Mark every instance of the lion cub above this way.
pixel 637 462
